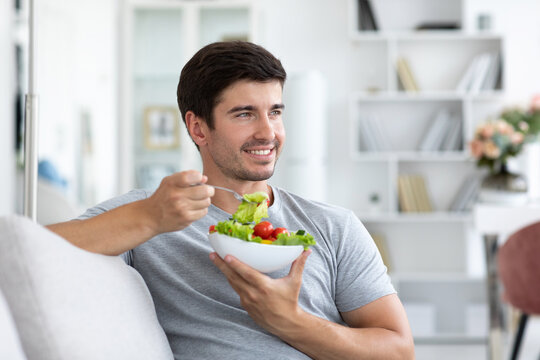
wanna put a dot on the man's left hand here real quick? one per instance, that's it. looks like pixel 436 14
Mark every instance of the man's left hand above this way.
pixel 272 303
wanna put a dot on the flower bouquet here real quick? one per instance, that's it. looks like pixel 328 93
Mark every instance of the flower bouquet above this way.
pixel 498 140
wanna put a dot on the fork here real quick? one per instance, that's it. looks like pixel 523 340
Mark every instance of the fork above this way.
pixel 236 195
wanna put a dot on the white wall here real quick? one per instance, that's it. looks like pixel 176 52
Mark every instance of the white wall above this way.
pixel 7 158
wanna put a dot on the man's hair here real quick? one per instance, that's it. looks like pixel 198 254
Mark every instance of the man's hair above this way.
pixel 217 66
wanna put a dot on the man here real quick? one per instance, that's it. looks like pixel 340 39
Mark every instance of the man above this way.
pixel 338 304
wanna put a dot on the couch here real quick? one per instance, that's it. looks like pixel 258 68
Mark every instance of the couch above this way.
pixel 61 302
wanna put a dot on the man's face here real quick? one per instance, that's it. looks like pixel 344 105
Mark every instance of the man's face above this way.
pixel 248 132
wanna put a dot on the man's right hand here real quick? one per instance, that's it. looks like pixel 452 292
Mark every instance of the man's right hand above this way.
pixel 177 202
pixel 172 207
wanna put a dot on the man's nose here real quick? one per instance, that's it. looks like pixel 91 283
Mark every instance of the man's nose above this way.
pixel 265 128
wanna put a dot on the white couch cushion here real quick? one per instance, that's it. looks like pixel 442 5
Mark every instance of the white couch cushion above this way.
pixel 68 303
pixel 10 345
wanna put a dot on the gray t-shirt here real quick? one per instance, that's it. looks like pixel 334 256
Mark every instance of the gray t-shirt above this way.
pixel 200 312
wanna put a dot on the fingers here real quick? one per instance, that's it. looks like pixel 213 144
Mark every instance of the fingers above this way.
pixel 297 268
pixel 236 281
pixel 246 272
pixel 188 178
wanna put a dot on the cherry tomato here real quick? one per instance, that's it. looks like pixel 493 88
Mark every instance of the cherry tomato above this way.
pixel 279 230
pixel 263 229
pixel 212 229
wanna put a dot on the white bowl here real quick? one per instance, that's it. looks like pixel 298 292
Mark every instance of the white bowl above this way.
pixel 263 257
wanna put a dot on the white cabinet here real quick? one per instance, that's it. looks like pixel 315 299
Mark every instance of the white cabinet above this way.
pixel 158 38
pixel 430 252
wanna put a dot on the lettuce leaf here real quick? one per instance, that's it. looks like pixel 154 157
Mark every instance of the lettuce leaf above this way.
pixel 252 209
pixel 257 197
pixel 299 237
pixel 235 229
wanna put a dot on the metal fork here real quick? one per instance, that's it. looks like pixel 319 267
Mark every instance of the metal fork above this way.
pixel 236 195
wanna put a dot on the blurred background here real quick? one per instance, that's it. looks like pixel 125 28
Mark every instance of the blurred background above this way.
pixel 106 76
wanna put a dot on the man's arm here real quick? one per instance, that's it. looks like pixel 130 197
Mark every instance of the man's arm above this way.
pixel 173 206
pixel 378 330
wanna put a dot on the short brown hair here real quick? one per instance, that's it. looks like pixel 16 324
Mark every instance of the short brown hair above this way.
pixel 217 66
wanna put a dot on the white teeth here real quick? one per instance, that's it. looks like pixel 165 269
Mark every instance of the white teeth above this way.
pixel 259 152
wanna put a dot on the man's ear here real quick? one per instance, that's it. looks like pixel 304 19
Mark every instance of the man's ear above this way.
pixel 197 128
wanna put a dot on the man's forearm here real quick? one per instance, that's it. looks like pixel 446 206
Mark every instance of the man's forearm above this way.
pixel 110 233
pixel 323 339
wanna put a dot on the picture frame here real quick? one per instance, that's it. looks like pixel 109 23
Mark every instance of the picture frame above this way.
pixel 161 128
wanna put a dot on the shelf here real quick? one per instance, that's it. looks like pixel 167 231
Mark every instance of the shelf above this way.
pixel 441 277
pixel 424 35
pixel 451 339
pixel 426 217
pixel 416 156
pixel 442 95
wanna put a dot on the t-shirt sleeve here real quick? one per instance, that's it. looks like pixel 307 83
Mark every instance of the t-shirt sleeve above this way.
pixel 110 204
pixel 361 274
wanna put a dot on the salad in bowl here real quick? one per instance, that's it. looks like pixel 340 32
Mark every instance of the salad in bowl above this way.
pixel 255 242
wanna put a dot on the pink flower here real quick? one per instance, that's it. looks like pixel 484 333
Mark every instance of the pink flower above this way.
pixel 516 138
pixel 535 103
pixel 486 131
pixel 503 128
pixel 477 148
pixel 491 150
pixel 523 126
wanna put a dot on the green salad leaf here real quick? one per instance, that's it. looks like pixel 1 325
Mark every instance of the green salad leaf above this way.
pixel 235 229
pixel 299 237
pixel 257 197
pixel 252 209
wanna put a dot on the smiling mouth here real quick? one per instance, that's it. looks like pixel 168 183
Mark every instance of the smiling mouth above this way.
pixel 259 152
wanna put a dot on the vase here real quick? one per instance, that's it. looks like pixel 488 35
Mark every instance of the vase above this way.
pixel 504 187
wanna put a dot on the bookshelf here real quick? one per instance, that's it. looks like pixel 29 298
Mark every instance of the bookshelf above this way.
pixel 444 82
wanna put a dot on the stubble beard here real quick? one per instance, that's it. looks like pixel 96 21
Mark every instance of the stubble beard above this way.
pixel 231 166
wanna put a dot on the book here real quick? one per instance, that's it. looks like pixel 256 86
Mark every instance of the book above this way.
pixel 405 196
pixel 465 81
pixel 366 16
pixel 438 25
pixel 482 74
pixel 406 76
pixel 467 194
pixel 366 137
pixel 380 242
pixel 493 74
pixel 372 134
pixel 422 199
pixel 413 195
pixel 436 132
pixel 452 140
pixel 380 133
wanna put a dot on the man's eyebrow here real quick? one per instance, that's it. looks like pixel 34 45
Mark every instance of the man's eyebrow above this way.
pixel 251 108
pixel 241 108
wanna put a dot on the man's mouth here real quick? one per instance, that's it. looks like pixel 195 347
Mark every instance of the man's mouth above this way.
pixel 259 152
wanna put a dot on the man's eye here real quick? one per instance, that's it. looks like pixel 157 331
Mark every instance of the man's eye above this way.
pixel 276 112
pixel 245 114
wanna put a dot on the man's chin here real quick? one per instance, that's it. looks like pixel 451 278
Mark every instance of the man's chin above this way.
pixel 257 175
